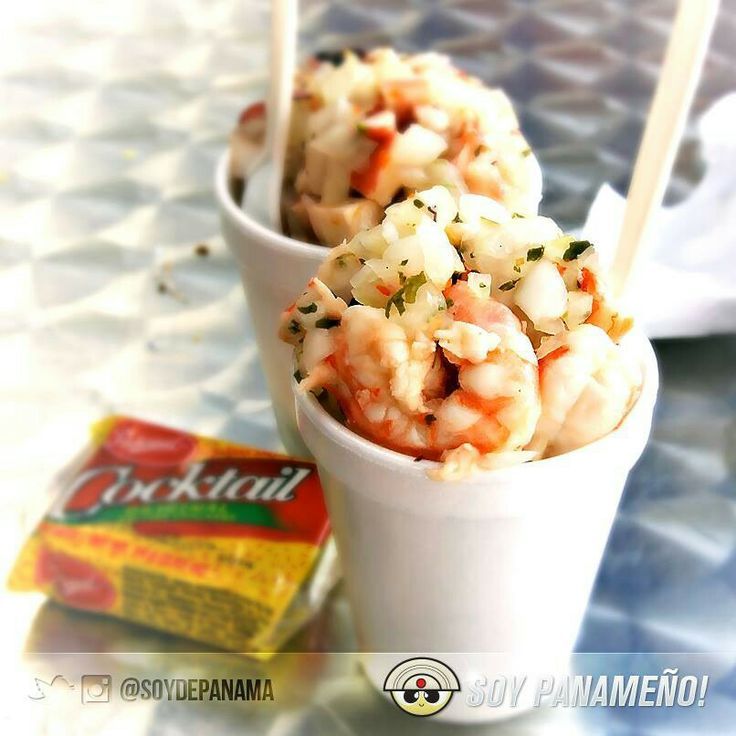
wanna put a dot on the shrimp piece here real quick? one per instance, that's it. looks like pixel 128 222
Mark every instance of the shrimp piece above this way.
pixel 496 404
pixel 382 373
pixel 587 383
pixel 480 310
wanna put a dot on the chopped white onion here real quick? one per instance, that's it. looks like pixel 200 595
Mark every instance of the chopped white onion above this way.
pixel 541 294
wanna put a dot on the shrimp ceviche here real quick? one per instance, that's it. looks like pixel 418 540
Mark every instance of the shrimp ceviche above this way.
pixel 460 331
pixel 368 129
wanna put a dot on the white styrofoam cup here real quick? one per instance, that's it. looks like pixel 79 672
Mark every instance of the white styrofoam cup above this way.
pixel 274 270
pixel 502 562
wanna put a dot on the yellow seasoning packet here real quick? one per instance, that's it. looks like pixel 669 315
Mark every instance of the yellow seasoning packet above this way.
pixel 217 542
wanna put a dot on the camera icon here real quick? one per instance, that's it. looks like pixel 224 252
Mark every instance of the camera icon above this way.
pixel 96 688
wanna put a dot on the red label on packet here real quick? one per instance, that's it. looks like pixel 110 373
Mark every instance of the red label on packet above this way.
pixel 156 524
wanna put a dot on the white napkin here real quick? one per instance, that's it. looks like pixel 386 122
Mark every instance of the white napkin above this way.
pixel 685 284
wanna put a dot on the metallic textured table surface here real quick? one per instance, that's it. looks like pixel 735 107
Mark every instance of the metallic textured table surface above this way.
pixel 112 119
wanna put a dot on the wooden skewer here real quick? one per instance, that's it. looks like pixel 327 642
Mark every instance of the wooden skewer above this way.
pixel 284 24
pixel 681 69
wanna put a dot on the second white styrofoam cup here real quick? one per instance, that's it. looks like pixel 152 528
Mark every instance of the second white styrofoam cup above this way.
pixel 274 270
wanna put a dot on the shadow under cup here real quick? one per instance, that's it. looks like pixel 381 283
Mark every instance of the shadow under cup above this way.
pixel 501 562
pixel 274 270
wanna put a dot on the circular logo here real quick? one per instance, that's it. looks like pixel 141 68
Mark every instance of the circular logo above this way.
pixel 421 686
pixel 148 444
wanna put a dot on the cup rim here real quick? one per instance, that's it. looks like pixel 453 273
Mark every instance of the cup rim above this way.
pixel 276 241
pixel 640 413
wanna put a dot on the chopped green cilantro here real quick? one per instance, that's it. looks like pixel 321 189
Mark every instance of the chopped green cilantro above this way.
pixel 576 248
pixel 326 323
pixel 407 294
